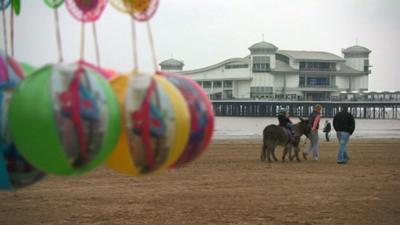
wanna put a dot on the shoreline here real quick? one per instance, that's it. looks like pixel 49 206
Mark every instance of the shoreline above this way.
pixel 321 137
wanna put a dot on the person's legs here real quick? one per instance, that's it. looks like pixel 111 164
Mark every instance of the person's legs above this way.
pixel 314 145
pixel 327 136
pixel 343 138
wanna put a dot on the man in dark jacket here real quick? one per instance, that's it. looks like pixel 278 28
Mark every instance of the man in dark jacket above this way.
pixel 344 125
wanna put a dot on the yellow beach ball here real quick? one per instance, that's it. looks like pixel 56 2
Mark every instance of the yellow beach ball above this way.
pixel 156 123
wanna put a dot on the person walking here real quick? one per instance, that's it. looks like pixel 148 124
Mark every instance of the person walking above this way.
pixel 314 120
pixel 344 125
pixel 327 130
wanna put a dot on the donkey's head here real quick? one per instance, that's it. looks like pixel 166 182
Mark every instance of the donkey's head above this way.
pixel 304 127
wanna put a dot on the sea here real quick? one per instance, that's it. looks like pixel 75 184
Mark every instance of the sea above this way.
pixel 252 127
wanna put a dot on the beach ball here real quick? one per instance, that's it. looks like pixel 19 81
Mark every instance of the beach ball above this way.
pixel 27 68
pixel 15 171
pixel 108 74
pixel 201 116
pixel 64 119
pixel 155 122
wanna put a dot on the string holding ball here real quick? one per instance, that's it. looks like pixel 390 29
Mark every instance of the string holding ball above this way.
pixel 86 10
pixel 155 122
pixel 141 10
pixel 53 3
pixel 15 171
pixel 73 119
pixel 201 116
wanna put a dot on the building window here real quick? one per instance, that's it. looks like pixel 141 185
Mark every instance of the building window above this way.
pixel 356 55
pixel 317 66
pixel 171 67
pixel 291 96
pixel 261 64
pixel 206 84
pixel 302 81
pixel 236 66
pixel 314 81
pixel 228 94
pixel 227 83
pixel 318 81
pixel 261 92
pixel 262 51
pixel 366 65
pixel 217 84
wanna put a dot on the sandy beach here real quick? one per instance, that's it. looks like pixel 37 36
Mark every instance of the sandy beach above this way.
pixel 227 185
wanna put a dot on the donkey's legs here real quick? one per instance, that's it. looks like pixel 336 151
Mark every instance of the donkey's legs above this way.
pixel 284 154
pixel 268 154
pixel 296 153
pixel 270 149
pixel 273 153
pixel 263 149
pixel 290 148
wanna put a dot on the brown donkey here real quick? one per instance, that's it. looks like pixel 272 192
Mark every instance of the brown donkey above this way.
pixel 274 135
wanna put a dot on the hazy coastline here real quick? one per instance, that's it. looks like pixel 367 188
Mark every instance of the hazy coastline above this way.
pixel 251 127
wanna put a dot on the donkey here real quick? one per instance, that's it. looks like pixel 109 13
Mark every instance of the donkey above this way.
pixel 274 135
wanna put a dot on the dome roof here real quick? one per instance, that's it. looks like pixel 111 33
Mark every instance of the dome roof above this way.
pixel 263 45
pixel 171 62
pixel 356 49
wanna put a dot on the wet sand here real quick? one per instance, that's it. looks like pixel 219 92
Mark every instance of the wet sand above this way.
pixel 227 185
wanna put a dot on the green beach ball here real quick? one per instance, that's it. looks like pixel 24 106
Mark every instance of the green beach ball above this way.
pixel 64 119
pixel 27 68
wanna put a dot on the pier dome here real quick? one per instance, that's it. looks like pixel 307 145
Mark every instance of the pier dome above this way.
pixel 171 65
pixel 356 49
pixel 263 46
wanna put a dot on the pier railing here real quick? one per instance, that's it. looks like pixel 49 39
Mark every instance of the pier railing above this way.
pixel 260 108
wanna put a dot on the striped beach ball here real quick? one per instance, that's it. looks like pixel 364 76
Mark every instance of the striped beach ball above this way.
pixel 201 117
pixel 155 122
pixel 64 119
pixel 15 171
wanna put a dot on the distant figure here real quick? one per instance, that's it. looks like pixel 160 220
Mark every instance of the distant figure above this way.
pixel 344 125
pixel 314 120
pixel 327 129
pixel 285 122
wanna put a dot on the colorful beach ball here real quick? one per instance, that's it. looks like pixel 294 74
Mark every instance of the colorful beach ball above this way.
pixel 108 74
pixel 64 119
pixel 27 68
pixel 201 117
pixel 15 171
pixel 155 122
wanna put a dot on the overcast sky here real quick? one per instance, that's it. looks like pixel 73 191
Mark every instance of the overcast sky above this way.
pixel 205 32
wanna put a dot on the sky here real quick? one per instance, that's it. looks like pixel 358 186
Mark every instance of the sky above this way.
pixel 206 32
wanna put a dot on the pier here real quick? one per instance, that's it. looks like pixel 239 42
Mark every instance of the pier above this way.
pixel 259 108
